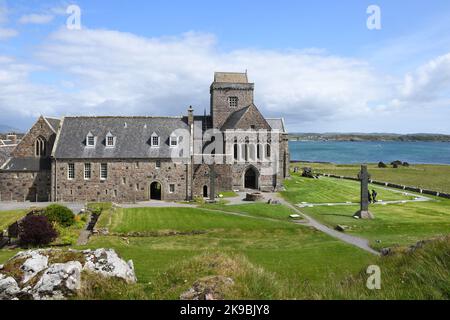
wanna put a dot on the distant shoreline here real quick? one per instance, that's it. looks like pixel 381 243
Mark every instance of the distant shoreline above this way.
pixel 375 137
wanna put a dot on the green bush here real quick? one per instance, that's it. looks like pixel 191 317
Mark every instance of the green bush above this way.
pixel 60 214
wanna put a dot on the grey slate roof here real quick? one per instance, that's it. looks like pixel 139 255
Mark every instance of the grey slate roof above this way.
pixel 277 124
pixel 132 135
pixel 234 118
pixel 54 123
pixel 27 164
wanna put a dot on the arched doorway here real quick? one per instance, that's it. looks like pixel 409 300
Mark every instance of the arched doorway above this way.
pixel 251 178
pixel 205 191
pixel 155 191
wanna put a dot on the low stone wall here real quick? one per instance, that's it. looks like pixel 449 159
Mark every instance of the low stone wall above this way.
pixel 393 185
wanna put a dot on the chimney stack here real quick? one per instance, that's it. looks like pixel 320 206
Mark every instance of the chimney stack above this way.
pixel 190 116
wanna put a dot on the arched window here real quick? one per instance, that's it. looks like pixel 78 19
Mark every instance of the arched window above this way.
pixel 247 147
pixel 236 149
pixel 268 151
pixel 258 151
pixel 41 147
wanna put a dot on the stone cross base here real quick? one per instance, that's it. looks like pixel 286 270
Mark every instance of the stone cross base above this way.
pixel 364 215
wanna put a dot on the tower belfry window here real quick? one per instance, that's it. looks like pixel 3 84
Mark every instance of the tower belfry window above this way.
pixel 233 102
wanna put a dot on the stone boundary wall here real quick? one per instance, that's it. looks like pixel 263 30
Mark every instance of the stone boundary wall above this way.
pixel 392 185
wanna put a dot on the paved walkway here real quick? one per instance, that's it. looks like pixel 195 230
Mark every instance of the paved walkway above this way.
pixel 6 206
pixel 156 204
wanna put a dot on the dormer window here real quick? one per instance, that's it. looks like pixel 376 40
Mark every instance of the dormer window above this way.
pixel 155 140
pixel 173 141
pixel 110 140
pixel 90 140
pixel 233 102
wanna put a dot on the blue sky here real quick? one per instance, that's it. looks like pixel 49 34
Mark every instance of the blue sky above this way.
pixel 313 62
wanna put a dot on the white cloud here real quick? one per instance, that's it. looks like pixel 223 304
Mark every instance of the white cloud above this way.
pixel 36 19
pixel 110 72
pixel 6 33
pixel 428 82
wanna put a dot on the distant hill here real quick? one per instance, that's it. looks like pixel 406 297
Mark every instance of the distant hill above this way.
pixel 368 137
pixel 7 129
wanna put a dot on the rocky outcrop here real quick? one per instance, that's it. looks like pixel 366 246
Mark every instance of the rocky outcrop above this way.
pixel 208 288
pixel 56 274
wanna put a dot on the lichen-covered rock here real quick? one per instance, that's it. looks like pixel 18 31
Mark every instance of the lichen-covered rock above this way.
pixel 8 288
pixel 107 263
pixel 33 265
pixel 208 288
pixel 56 274
pixel 59 280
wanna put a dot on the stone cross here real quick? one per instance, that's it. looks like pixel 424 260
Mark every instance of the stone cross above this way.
pixel 364 177
pixel 212 182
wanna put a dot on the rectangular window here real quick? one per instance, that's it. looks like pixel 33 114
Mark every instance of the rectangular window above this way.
pixel 124 180
pixel 158 164
pixel 90 141
pixel 172 188
pixel 137 186
pixel 110 141
pixel 155 141
pixel 87 171
pixel 173 141
pixel 71 171
pixel 233 102
pixel 104 171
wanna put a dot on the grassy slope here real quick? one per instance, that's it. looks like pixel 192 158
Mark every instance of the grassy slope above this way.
pixel 434 177
pixel 9 217
pixel 330 190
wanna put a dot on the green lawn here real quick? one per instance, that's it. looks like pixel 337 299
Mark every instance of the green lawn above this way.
pixel 434 177
pixel 292 252
pixel 330 190
pixel 398 224
pixel 262 210
pixel 9 217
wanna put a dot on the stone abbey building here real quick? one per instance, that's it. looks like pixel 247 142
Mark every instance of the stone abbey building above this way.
pixel 127 159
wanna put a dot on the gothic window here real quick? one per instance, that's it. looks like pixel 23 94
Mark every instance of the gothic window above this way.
pixel 236 146
pixel 233 102
pixel 41 147
pixel 268 151
pixel 247 149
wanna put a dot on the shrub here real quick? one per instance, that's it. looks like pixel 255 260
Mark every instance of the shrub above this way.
pixel 60 214
pixel 13 230
pixel 382 165
pixel 36 230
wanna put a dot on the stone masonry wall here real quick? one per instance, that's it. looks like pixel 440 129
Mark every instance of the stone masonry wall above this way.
pixel 220 109
pixel 25 186
pixel 224 181
pixel 127 181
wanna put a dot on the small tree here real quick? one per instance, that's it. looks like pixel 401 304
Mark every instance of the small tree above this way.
pixel 36 231
pixel 60 214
